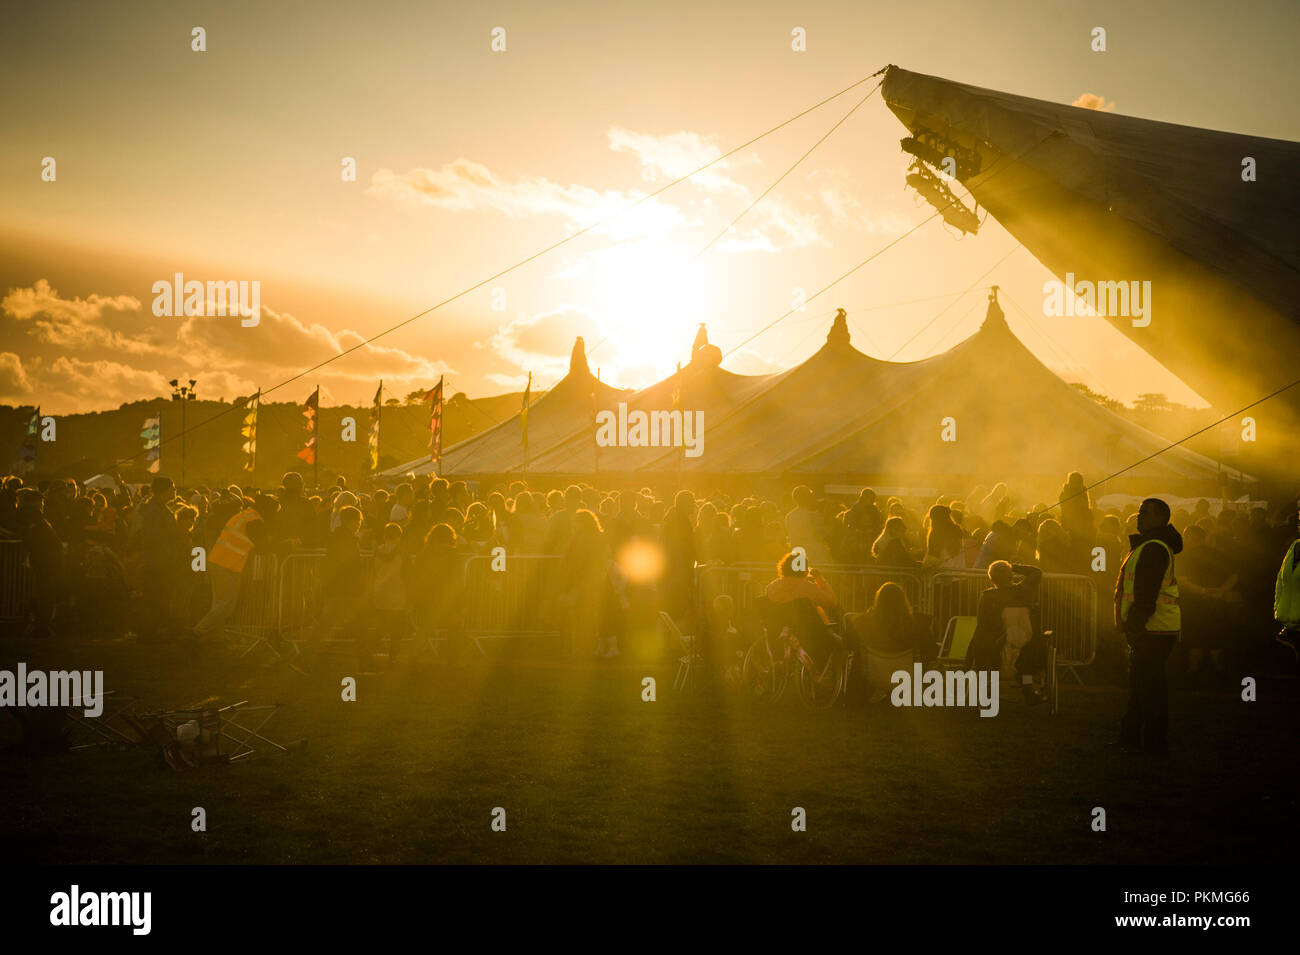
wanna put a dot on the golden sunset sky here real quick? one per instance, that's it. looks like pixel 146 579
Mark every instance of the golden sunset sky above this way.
pixel 226 164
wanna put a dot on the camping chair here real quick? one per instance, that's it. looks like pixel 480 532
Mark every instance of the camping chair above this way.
pixel 110 730
pixel 955 643
pixel 191 737
pixel 689 665
pixel 879 669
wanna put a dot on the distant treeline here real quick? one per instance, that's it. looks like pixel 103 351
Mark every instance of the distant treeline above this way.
pixel 87 444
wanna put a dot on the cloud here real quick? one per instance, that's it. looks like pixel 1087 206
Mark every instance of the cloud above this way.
pixel 463 186
pixel 88 353
pixel 1093 101
pixel 672 156
pixel 467 186
pixel 542 343
pixel 14 385
pixel 40 299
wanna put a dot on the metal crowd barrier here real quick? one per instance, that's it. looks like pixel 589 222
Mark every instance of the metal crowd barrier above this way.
pixel 517 601
pixel 297 606
pixel 1068 602
pixel 259 592
pixel 15 581
pixel 1067 606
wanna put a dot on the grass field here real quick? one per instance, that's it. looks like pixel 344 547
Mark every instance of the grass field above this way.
pixel 587 772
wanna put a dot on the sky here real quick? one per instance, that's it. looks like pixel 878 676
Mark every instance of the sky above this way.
pixel 226 165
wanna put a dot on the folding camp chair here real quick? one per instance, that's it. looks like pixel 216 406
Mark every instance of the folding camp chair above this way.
pixel 191 737
pixel 879 669
pixel 956 642
pixel 691 663
pixel 109 730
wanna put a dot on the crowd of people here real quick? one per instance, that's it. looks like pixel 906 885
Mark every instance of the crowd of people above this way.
pixel 125 559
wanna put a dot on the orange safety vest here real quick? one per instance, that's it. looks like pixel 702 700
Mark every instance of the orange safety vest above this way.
pixel 234 545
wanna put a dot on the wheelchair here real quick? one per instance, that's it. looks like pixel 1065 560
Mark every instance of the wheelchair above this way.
pixel 782 653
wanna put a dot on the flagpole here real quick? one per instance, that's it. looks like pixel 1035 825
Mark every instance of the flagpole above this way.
pixel 315 458
pixel 528 390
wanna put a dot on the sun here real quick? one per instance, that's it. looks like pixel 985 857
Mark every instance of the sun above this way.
pixel 647 303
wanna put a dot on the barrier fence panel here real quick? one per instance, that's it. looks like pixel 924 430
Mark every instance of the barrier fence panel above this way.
pixel 1067 606
pixel 1068 602
pixel 15 581
pixel 298 600
pixel 519 600
pixel 256 611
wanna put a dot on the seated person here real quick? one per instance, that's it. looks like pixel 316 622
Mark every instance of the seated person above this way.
pixel 1005 637
pixel 792 585
pixel 888 629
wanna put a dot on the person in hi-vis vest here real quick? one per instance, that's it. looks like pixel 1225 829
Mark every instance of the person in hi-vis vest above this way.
pixel 1286 598
pixel 1147 611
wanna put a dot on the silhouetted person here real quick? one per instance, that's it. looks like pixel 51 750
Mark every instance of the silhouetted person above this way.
pixel 45 557
pixel 226 562
pixel 1148 612
pixel 1006 638
pixel 439 593
pixel 156 550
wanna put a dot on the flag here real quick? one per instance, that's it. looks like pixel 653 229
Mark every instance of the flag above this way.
pixel 152 435
pixel 373 441
pixel 434 397
pixel 311 411
pixel 27 454
pixel 523 412
pixel 249 430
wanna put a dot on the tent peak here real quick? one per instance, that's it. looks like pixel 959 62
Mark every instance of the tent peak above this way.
pixel 839 333
pixel 994 317
pixel 701 339
pixel 703 354
pixel 578 358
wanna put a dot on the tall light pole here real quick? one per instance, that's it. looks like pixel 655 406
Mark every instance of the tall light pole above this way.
pixel 184 394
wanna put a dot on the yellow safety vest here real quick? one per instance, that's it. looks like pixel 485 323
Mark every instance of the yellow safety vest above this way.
pixel 234 545
pixel 1168 617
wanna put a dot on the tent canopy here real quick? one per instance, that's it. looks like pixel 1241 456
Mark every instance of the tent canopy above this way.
pixel 842 413
pixel 1117 198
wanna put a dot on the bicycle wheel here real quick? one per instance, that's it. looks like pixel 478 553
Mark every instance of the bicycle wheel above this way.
pixel 821 695
pixel 761 674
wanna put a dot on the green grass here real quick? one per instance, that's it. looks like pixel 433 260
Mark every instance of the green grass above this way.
pixel 587 772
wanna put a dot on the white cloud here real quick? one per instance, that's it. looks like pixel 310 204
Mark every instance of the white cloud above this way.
pixel 89 353
pixel 1093 101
